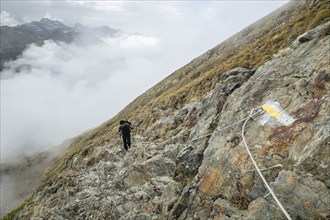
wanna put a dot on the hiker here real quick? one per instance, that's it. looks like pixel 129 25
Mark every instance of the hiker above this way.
pixel 125 131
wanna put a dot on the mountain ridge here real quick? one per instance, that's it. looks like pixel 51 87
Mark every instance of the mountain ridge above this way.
pixel 14 40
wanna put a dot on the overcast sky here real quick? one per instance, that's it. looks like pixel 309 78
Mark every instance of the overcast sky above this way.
pixel 195 26
pixel 70 89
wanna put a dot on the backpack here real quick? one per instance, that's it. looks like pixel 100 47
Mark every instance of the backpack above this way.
pixel 125 127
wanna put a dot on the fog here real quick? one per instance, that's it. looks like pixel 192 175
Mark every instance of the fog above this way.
pixel 63 89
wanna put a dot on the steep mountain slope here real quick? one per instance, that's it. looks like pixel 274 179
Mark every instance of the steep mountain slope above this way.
pixel 188 159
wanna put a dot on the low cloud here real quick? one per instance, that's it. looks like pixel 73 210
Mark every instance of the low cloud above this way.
pixel 51 17
pixel 7 19
pixel 133 41
pixel 57 91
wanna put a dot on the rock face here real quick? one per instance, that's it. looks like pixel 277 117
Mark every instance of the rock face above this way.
pixel 201 170
pixel 294 81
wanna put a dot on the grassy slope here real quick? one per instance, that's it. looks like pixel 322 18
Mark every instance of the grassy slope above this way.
pixel 250 48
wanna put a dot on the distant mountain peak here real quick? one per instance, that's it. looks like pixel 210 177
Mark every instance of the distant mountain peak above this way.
pixel 47 20
pixel 48 24
pixel 14 40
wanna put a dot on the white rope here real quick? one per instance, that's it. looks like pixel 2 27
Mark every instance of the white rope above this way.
pixel 259 172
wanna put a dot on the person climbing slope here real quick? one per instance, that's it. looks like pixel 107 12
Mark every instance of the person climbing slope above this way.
pixel 124 130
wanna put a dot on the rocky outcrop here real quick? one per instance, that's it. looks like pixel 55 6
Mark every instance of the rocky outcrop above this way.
pixel 293 81
pixel 199 169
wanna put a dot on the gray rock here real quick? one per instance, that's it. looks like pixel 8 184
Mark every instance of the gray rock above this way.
pixel 303 144
pixel 309 198
pixel 260 209
pixel 189 160
pixel 159 166
pixel 256 193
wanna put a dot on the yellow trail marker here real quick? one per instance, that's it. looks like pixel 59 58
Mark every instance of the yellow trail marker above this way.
pixel 271 111
pixel 274 110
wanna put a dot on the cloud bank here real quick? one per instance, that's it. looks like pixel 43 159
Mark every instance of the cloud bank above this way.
pixel 62 90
